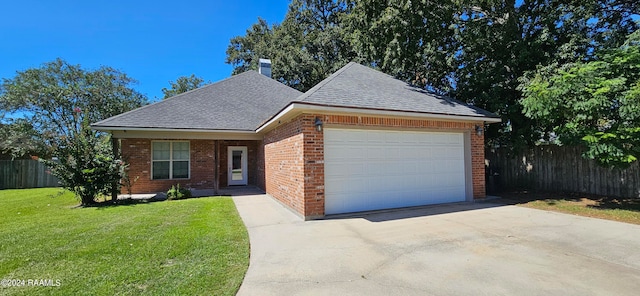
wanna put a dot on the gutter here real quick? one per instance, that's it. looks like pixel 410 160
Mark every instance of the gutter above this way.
pixel 302 107
pixel 152 129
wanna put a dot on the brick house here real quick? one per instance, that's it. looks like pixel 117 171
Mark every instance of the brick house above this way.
pixel 359 140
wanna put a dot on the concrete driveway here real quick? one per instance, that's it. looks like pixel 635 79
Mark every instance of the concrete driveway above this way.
pixel 461 249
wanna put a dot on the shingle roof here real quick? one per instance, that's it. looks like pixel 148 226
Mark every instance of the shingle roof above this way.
pixel 358 86
pixel 241 102
pixel 245 101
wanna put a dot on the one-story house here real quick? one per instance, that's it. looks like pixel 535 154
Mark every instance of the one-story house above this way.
pixel 359 140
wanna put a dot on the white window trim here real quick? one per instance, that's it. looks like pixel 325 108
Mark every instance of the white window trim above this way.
pixel 171 160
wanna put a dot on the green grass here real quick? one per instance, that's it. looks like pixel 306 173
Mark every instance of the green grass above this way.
pixel 616 209
pixel 570 207
pixel 187 247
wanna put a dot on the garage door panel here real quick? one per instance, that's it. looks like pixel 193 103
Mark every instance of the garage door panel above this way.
pixel 367 170
pixel 375 153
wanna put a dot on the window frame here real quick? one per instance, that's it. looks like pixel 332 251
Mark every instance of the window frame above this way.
pixel 171 160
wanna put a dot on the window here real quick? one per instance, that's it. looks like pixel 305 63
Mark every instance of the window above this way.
pixel 170 160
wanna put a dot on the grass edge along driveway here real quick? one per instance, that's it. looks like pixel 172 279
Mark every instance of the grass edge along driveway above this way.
pixel 602 207
pixel 189 247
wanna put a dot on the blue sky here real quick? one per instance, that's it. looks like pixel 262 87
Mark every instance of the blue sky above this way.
pixel 152 41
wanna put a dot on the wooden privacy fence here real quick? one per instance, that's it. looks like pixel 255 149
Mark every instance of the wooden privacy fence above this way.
pixel 25 173
pixel 558 168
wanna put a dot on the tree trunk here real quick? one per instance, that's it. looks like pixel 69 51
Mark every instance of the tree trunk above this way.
pixel 86 200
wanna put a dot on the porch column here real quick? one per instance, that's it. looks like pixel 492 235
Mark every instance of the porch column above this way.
pixel 216 151
pixel 115 147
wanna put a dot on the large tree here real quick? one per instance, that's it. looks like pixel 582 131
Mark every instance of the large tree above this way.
pixel 57 102
pixel 476 50
pixel 473 50
pixel 594 103
pixel 304 49
pixel 182 84
pixel 412 40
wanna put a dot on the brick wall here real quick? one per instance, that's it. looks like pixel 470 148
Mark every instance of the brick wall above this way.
pixel 294 166
pixel 260 179
pixel 313 167
pixel 137 152
pixel 284 164
pixel 477 165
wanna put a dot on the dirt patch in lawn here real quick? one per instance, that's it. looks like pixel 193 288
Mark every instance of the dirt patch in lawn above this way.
pixel 604 207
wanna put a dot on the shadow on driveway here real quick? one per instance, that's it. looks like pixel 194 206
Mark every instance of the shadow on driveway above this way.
pixel 414 212
pixel 458 249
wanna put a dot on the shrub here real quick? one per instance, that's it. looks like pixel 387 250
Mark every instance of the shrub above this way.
pixel 178 193
pixel 87 166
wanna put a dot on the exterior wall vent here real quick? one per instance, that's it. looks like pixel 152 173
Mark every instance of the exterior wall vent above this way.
pixel 264 67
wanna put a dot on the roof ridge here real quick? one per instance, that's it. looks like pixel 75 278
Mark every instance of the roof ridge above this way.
pixel 209 84
pixel 323 83
pixel 171 98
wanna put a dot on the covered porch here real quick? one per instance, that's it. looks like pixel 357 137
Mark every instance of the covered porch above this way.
pixel 205 166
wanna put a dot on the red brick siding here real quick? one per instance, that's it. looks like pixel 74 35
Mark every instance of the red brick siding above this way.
pixel 477 165
pixel 294 166
pixel 260 182
pixel 137 152
pixel 313 167
pixel 284 164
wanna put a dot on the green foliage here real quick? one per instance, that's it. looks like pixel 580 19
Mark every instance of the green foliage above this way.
pixel 182 84
pixel 309 45
pixel 58 102
pixel 176 192
pixel 19 139
pixel 595 103
pixel 474 50
pixel 243 52
pixel 87 166
pixel 412 40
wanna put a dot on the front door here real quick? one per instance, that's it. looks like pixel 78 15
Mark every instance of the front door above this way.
pixel 237 166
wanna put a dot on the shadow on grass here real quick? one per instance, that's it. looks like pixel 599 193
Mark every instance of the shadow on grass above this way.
pixel 587 200
pixel 123 202
pixel 137 201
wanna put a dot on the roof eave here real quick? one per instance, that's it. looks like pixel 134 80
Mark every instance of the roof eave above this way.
pixel 304 107
pixel 154 129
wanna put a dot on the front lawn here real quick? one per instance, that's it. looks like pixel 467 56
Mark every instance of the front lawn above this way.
pixel 187 247
pixel 617 209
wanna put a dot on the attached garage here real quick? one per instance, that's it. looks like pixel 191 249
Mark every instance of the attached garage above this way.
pixel 362 140
pixel 382 169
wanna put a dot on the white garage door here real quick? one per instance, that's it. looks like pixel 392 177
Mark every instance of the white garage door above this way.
pixel 371 170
